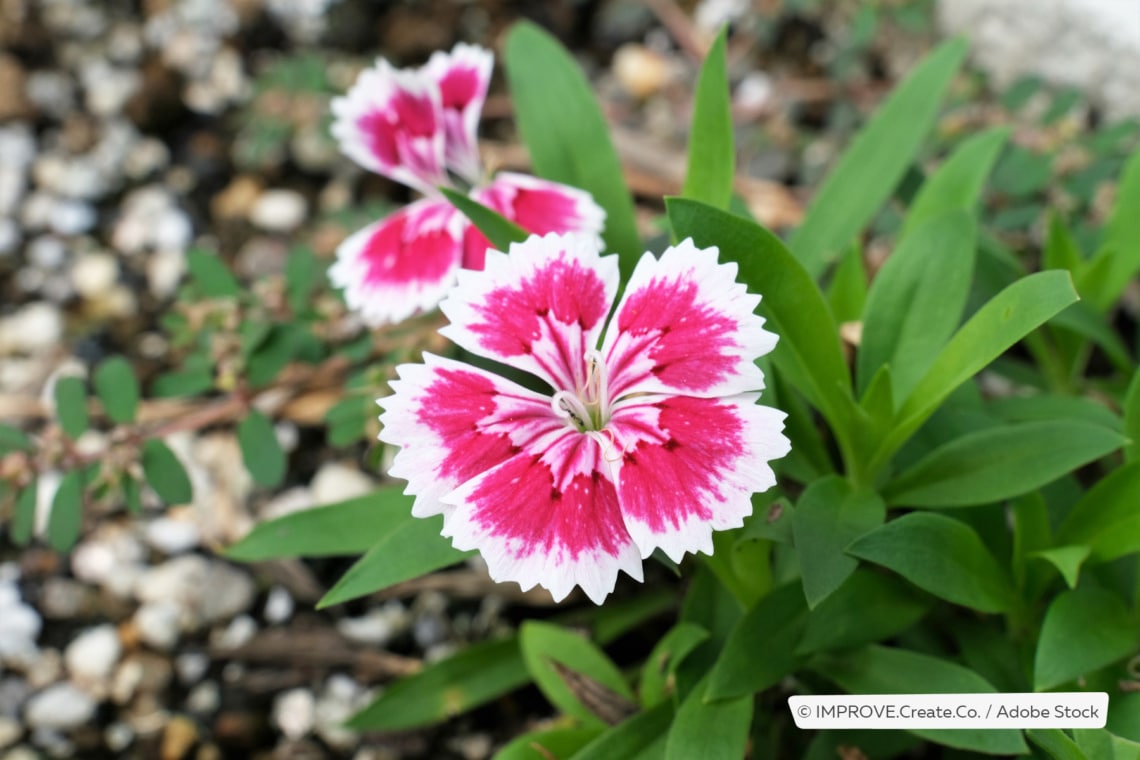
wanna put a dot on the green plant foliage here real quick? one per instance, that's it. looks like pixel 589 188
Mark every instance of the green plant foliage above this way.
pixel 717 730
pixel 66 516
pixel 71 406
pixel 1083 630
pixel 260 450
pixel 118 389
pixel 499 230
pixel 210 275
pixel 165 473
pixel 711 144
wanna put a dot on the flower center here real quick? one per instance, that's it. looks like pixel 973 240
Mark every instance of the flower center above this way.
pixel 587 406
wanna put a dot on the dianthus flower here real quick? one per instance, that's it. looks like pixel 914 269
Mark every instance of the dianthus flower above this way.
pixel 651 437
pixel 418 127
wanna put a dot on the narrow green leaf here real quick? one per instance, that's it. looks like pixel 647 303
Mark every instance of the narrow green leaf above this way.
pixel 1042 407
pixel 132 495
pixel 212 277
pixel 189 381
pixel 473 676
pixel 165 473
pixel 543 645
pixel 499 230
pixel 808 352
pixel 1001 322
pixel 24 520
pixel 118 389
pixel 875 161
pixel 1124 716
pixel 1061 248
pixel 710 730
pixel 278 349
pixel 943 556
pixel 1106 519
pixel 743 667
pixel 260 450
pixel 641 737
pixel 13 439
pixel 1098 743
pixel 348 527
pixel 958 182
pixel 71 405
pixel 1000 462
pixel 1121 242
pixel 413 549
pixel 847 291
pixel 1132 419
pixel 1086 322
pixel 544 745
pixel 670 650
pixel 711 152
pixel 827 518
pixel 1084 629
pixel 302 274
pixel 1067 560
pixel 66 516
pixel 564 129
pixel 916 300
pixel 842 621
pixel 881 670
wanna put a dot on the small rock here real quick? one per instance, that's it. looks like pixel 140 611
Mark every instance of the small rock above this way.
pixel 204 698
pixel 191 667
pixel 10 731
pixel 45 668
pixel 335 482
pixel 31 329
pixel 19 625
pixel 641 71
pixel 279 210
pixel 13 693
pixel 339 700
pixel 93 274
pixel 296 499
pixel 237 199
pixel 180 735
pixel 73 217
pixel 378 626
pixel 294 712
pixel 91 657
pixel 14 104
pixel 207 591
pixel 140 673
pixel 118 736
pixel 164 270
pixel 278 605
pixel 159 624
pixel 239 632
pixel 64 599
pixel 62 706
pixel 171 535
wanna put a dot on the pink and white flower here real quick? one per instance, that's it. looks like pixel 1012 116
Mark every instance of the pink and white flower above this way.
pixel 651 437
pixel 419 127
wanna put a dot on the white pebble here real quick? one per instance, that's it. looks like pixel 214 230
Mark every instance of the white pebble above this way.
pixel 278 606
pixel 204 698
pixel 118 736
pixel 172 536
pixel 336 482
pixel 92 656
pixel 158 624
pixel 191 666
pixel 62 706
pixel 238 633
pixel 376 627
pixel 279 210
pixel 73 217
pixel 164 270
pixel 172 230
pixel 10 731
pixel 294 712
pixel 93 274
pixel 31 329
pixel 20 624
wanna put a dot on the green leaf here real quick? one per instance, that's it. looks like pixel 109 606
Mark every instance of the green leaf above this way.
pixel 132 495
pixel 118 389
pixel 777 620
pixel 544 745
pixel 277 350
pixel 1106 518
pixel 1099 744
pixel 24 519
pixel 165 473
pixel 1061 249
pixel 1121 242
pixel 710 730
pixel 413 549
pixel 881 670
pixel 1002 321
pixel 711 152
pixel 876 160
pixel 916 301
pixel 667 654
pixel 943 556
pixel 828 517
pixel 566 134
pixel 302 273
pixel 499 230
pixel 808 352
pixel 1132 419
pixel 543 645
pixel 211 276
pixel 71 406
pixel 847 291
pixel 1067 560
pixel 870 606
pixel 1084 629
pixel 958 182
pixel 66 516
pixel 1043 407
pixel 1000 462
pixel 641 737
pixel 189 381
pixel 260 450
pixel 1124 716
pixel 14 439
pixel 475 675
pixel 347 527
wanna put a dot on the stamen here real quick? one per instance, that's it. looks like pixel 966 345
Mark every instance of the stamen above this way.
pixel 605 438
pixel 569 407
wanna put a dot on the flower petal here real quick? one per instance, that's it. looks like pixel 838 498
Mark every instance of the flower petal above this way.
pixel 462 77
pixel 404 263
pixel 391 121
pixel 685 326
pixel 453 422
pixel 689 466
pixel 538 206
pixel 538 309
pixel 547 516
